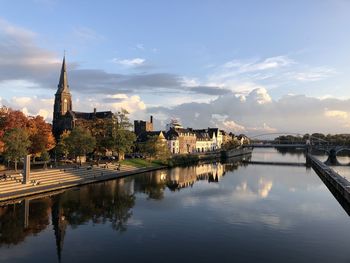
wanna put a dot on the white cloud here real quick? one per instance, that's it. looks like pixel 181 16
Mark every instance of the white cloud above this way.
pixel 259 95
pixel 130 62
pixel 258 113
pixel 131 104
pixel 233 126
pixel 265 128
pixel 86 34
pixel 313 74
pixel 189 82
pixel 258 65
pixel 140 46
pixel 31 106
pixel 118 96
pixel 336 114
pixel 273 72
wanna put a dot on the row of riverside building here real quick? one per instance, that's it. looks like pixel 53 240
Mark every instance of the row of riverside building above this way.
pixel 182 140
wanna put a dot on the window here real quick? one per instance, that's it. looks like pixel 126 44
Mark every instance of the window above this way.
pixel 65 106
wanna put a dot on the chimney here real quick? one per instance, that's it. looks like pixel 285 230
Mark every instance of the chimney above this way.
pixel 95 111
pixel 151 119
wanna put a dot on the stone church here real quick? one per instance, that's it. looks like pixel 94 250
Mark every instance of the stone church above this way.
pixel 64 118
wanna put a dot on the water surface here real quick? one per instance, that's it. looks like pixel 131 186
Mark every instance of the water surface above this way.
pixel 207 213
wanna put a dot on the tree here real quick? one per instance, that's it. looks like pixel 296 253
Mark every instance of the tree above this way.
pixel 10 119
pixel 122 139
pixel 16 144
pixel 61 148
pixel 155 148
pixel 232 144
pixel 80 142
pixel 40 135
pixel 101 130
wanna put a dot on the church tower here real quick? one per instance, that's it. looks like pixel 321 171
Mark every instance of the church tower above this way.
pixel 63 99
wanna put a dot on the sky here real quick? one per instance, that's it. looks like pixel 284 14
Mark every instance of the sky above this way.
pixel 244 66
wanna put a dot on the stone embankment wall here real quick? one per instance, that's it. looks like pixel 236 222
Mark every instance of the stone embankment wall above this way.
pixel 339 183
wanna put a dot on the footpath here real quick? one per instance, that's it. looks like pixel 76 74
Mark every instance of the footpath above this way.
pixel 57 179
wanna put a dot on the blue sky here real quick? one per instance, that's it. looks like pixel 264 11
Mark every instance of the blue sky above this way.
pixel 160 57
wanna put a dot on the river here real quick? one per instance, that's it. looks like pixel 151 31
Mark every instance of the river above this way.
pixel 229 212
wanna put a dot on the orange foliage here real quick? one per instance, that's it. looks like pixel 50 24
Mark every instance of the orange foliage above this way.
pixel 40 132
pixel 10 119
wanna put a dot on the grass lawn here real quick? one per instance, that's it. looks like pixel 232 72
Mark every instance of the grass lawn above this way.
pixel 140 163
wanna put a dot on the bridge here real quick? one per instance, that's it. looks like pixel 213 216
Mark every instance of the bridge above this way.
pixel 275 145
pixel 298 141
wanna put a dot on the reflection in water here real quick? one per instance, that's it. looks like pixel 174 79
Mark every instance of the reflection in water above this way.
pixel 254 207
pixel 279 154
pixel 259 190
pixel 100 203
pixel 343 158
pixel 179 177
pixel 110 201
pixel 20 220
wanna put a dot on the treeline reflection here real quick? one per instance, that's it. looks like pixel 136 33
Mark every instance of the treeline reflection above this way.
pixel 108 202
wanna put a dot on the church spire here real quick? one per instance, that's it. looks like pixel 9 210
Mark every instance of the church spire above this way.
pixel 63 83
pixel 63 101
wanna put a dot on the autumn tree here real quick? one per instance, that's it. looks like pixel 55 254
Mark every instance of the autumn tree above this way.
pixel 39 131
pixel 16 144
pixel 10 119
pixel 40 135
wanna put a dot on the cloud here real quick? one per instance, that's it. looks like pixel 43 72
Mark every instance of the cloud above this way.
pixel 314 74
pixel 31 106
pixel 245 75
pixel 20 57
pixel 209 90
pixel 140 46
pixel 233 126
pixel 134 62
pixel 24 65
pixel 86 34
pixel 336 114
pixel 258 65
pixel 256 113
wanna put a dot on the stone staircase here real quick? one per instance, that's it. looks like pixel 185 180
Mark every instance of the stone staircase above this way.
pixel 55 177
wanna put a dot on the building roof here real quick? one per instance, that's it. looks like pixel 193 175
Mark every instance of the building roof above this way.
pixel 91 115
pixel 144 136
pixel 172 134
pixel 202 135
pixel 63 83
pixel 212 131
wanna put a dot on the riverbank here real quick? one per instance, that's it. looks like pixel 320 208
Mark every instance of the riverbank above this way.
pixel 58 179
pixel 49 180
pixel 331 178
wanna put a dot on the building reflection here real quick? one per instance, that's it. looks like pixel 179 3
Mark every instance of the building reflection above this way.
pixel 152 184
pixel 109 202
pixel 100 203
pixel 182 177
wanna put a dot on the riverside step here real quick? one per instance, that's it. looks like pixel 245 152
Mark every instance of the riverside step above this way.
pixel 43 178
pixel 50 181
pixel 58 176
pixel 71 180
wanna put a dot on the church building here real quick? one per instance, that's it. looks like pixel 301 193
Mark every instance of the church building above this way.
pixel 64 118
